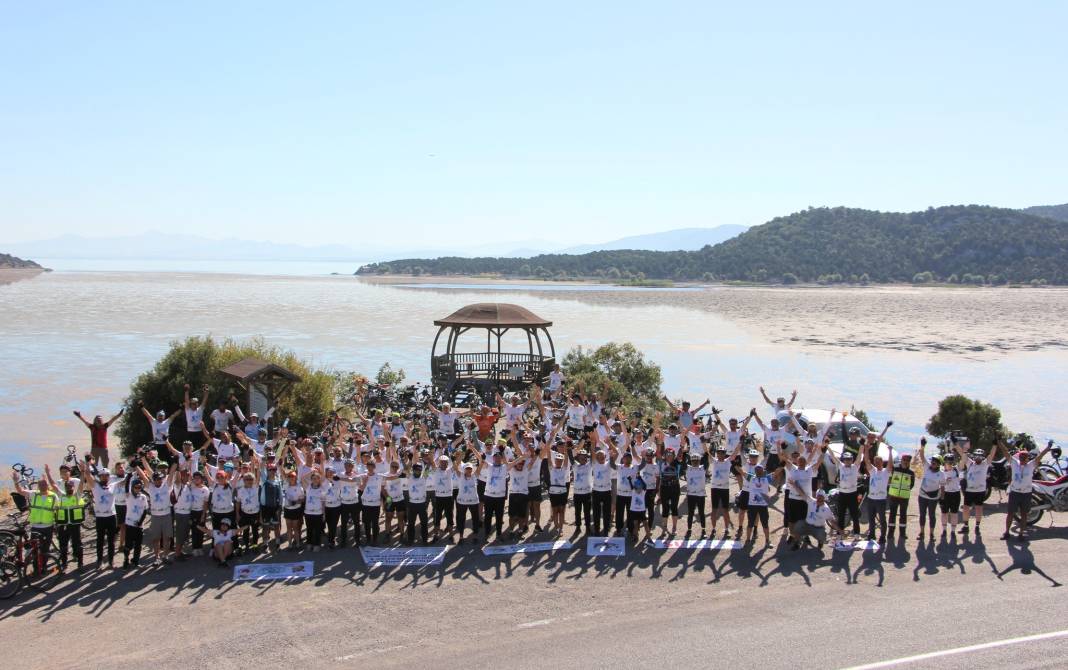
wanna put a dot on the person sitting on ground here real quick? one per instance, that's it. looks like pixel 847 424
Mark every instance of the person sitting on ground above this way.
pixel 818 517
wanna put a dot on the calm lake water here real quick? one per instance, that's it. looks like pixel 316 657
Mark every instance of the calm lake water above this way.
pixel 74 340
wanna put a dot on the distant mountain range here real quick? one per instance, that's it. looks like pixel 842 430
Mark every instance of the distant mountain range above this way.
pixel 171 246
pixel 969 244
pixel 1059 212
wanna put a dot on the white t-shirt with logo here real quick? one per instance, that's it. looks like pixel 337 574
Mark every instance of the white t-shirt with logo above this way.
pixel 583 478
pixel 136 506
pixel 497 481
pixel 249 499
pixel 695 481
pixel 160 430
pixel 818 515
pixel 1022 476
pixel 602 476
pixel 878 481
pixel 159 499
pixel 222 419
pixel 104 498
pixel 847 477
pixel 194 420
pixel 975 477
pixel 721 473
pixel 468 492
pixel 372 490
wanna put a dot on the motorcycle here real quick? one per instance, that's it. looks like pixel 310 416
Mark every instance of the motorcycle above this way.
pixel 1053 468
pixel 1047 495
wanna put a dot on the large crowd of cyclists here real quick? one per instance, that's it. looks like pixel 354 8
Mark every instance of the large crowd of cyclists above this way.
pixel 408 468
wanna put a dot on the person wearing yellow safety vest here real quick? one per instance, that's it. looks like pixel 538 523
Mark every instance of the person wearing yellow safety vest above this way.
pixel 898 492
pixel 43 503
pixel 70 512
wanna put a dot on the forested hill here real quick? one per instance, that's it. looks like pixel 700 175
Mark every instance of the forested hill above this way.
pixel 9 262
pixel 971 244
pixel 1059 212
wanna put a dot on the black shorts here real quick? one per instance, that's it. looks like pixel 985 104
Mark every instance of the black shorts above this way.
pixel 950 502
pixel 757 512
pixel 637 516
pixel 558 499
pixel 269 516
pixel 244 519
pixel 743 500
pixel 294 513
pixel 534 494
pixel 517 505
pixel 481 489
pixel 721 498
pixel 772 464
pixel 974 498
pixel 1019 502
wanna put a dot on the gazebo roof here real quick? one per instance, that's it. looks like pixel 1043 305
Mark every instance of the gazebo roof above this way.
pixel 252 368
pixel 494 315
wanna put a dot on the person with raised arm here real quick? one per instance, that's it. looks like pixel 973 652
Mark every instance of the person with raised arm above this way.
pixel 372 488
pixel 898 492
pixel 189 458
pixel 626 467
pixel 253 422
pixel 467 499
pixel 160 492
pixel 780 405
pixel 137 504
pixel 1023 471
pixel 160 424
pixel 103 492
pixel 395 506
pixel 669 491
pixel 977 465
pixel 447 418
pixel 799 470
pixel 69 514
pixel 758 485
pixel 194 414
pixel 512 411
pixel 720 475
pixel 848 482
pixel 932 486
pixel 559 483
pixel 817 517
pixel 418 471
pixel 293 496
pixel 314 506
pixel 637 514
pixel 949 504
pixel 604 463
pixel 878 483
pixel 248 508
pixel 582 485
pixel 775 439
pixel 696 481
pixel 98 436
pixel 684 416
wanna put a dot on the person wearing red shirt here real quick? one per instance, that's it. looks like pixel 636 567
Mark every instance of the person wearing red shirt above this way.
pixel 486 419
pixel 98 435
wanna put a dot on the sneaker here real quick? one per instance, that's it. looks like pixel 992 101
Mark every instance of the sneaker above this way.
pixel 964 531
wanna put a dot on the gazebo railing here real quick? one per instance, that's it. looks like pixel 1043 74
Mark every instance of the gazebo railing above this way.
pixel 507 369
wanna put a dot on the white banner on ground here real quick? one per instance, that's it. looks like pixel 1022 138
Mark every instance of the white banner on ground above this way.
pixel 606 546
pixel 863 545
pixel 527 548
pixel 273 571
pixel 403 557
pixel 699 545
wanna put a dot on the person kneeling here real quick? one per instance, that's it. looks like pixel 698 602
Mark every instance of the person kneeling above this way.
pixel 815 523
pixel 222 542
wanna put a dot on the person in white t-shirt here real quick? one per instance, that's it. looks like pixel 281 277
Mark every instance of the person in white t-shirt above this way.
pixel 780 406
pixel 814 524
pixel 556 381
pixel 222 542
pixel 160 425
pixel 448 418
pixel 950 502
pixel 1023 472
pixel 848 482
pixel 878 484
pixel 512 411
pixel 977 465
pixel 932 484
pixel 194 415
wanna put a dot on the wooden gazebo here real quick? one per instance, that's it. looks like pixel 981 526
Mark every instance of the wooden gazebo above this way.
pixel 492 370
pixel 262 382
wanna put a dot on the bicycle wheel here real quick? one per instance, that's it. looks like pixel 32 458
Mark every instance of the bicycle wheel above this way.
pixel 10 579
pixel 42 572
pixel 8 542
pixel 89 522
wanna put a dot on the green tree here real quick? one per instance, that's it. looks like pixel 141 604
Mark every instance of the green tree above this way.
pixel 922 278
pixel 862 416
pixel 865 279
pixel 196 361
pixel 789 278
pixel 387 376
pixel 619 369
pixel 979 421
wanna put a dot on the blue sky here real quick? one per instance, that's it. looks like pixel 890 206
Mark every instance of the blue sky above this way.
pixel 575 122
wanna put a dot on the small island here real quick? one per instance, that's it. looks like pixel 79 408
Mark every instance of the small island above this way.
pixel 13 268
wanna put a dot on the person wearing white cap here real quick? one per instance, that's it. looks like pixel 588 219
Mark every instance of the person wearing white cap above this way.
pixel 696 479
pixel 604 463
pixel 160 425
pixel 559 482
pixel 194 415
pixel 759 489
pixel 720 469
pixel 582 497
pixel 467 495
pixel 441 485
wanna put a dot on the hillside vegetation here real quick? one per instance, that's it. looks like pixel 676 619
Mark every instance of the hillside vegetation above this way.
pixel 967 244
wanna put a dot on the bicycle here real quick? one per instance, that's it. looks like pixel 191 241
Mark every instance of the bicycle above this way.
pixel 29 564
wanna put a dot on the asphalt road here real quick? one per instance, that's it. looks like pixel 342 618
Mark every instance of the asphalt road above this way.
pixel 760 608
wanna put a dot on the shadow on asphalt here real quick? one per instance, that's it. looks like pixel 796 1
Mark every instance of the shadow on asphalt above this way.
pixel 189 582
